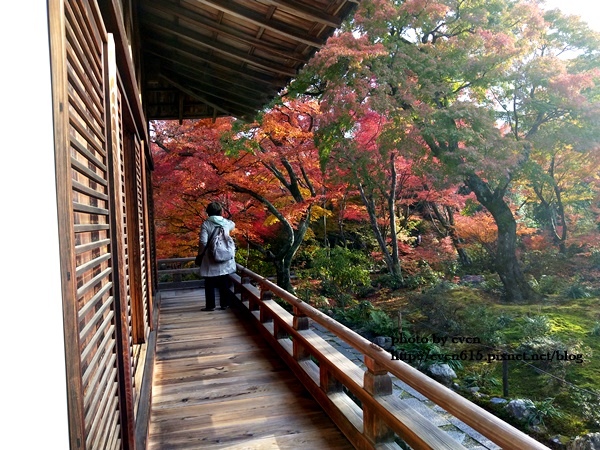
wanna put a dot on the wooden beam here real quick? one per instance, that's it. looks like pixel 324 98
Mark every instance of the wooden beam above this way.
pixel 227 81
pixel 306 12
pixel 196 96
pixel 217 28
pixel 238 98
pixel 255 18
pixel 200 40
pixel 191 54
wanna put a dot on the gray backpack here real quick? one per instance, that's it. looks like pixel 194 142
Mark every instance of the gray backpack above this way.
pixel 221 247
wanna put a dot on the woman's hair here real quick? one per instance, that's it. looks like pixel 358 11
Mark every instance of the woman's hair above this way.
pixel 214 209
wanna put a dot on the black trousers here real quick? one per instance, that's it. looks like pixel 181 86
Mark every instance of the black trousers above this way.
pixel 219 283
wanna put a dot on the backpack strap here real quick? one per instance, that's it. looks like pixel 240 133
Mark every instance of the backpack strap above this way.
pixel 212 235
pixel 201 255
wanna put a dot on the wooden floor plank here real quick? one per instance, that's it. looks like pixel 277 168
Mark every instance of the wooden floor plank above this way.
pixel 218 385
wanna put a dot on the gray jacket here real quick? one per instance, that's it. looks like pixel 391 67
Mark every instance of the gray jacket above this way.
pixel 209 268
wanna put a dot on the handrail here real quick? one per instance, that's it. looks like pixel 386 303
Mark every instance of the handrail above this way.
pixel 381 414
pixel 175 269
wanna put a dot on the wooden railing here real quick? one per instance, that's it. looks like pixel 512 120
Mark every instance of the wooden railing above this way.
pixel 172 273
pixel 360 401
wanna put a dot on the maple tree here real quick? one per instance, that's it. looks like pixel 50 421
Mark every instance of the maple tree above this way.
pixel 442 210
pixel 356 151
pixel 277 166
pixel 372 171
pixel 562 182
pixel 265 173
pixel 470 84
pixel 184 182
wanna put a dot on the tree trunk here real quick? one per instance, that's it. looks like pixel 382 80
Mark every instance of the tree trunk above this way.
pixel 562 238
pixel 392 265
pixel 463 257
pixel 283 270
pixel 448 224
pixel 559 239
pixel 282 259
pixel 396 267
pixel 283 263
pixel 506 262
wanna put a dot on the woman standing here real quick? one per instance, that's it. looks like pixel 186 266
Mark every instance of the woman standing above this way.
pixel 216 274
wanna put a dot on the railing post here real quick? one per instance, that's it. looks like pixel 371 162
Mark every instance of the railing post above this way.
pixel 328 382
pixel 237 287
pixel 252 301
pixel 177 276
pixel 279 332
pixel 300 320
pixel 300 323
pixel 264 314
pixel 241 290
pixel 377 382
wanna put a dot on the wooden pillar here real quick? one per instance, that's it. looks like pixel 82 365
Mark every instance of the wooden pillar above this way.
pixel 377 382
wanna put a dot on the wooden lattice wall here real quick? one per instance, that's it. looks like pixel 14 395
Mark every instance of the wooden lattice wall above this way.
pixel 102 214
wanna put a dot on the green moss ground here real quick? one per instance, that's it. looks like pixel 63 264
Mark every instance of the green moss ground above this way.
pixel 473 312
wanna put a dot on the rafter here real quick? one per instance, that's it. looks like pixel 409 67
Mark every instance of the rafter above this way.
pixel 207 58
pixel 249 15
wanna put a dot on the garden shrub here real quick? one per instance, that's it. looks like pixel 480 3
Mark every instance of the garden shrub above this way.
pixel 586 402
pixel 341 269
pixel 548 284
pixel 480 258
pixel 576 291
pixel 482 376
pixel 433 311
pixel 390 281
pixel 381 324
pixel 544 409
pixel 344 299
pixel 424 276
pixel 367 320
pixel 536 326
pixel 538 262
pixel 479 321
pixel 493 284
pixel 547 345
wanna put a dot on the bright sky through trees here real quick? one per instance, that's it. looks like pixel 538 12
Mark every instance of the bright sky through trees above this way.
pixel 588 10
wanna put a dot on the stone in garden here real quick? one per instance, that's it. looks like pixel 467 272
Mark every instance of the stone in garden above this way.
pixel 442 373
pixel 521 409
pixel 587 442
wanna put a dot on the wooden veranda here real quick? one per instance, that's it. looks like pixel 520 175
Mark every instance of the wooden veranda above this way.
pixel 116 65
pixel 258 375
pixel 217 384
pixel 101 71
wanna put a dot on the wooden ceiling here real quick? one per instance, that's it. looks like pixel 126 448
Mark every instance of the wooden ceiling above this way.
pixel 209 58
